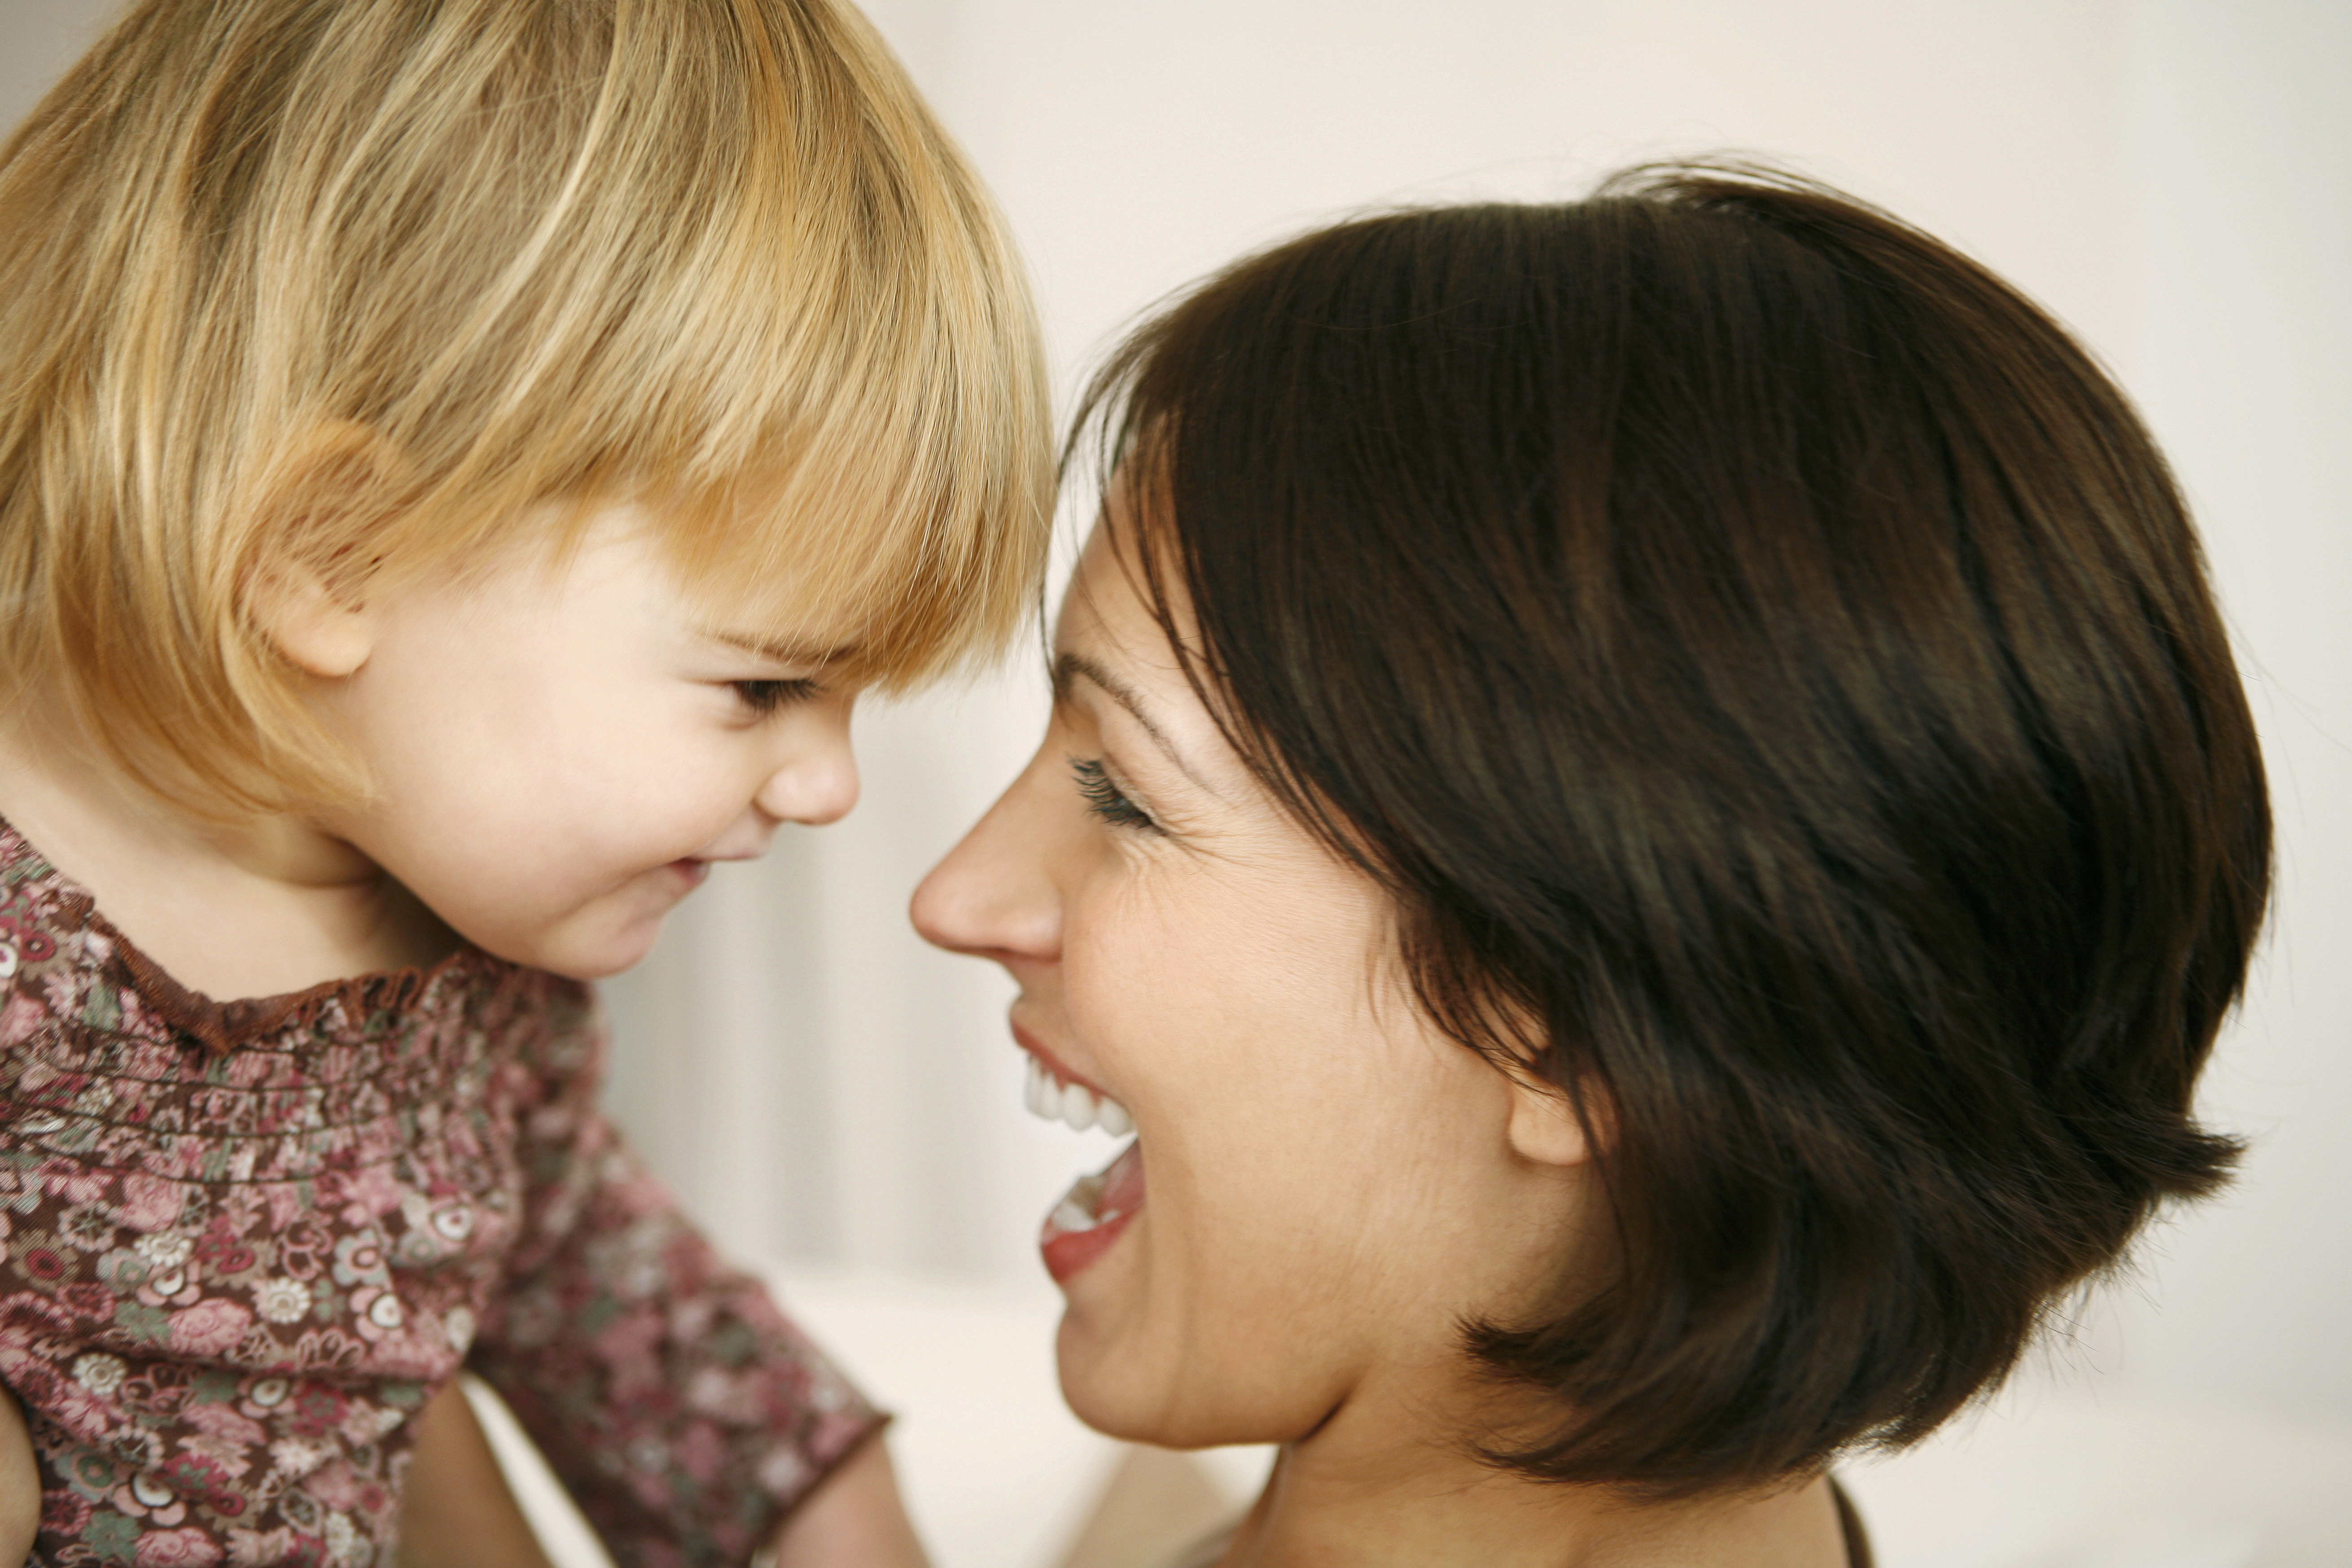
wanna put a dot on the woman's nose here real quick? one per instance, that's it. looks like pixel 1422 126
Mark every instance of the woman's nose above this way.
pixel 817 782
pixel 993 896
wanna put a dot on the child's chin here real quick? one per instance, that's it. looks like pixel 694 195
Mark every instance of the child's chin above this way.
pixel 620 954
pixel 588 950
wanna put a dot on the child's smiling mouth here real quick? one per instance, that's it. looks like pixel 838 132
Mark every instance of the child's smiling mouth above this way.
pixel 1096 1212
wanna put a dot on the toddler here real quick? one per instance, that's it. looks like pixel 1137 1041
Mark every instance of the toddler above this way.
pixel 458 461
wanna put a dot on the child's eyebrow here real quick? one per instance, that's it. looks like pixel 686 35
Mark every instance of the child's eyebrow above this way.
pixel 785 650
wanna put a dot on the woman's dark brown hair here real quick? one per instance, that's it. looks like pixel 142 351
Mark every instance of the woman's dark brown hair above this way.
pixel 1772 671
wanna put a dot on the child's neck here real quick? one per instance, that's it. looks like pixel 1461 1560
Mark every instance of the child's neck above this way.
pixel 259 911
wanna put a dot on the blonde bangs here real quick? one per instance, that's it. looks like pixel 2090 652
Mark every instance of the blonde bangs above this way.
pixel 369 284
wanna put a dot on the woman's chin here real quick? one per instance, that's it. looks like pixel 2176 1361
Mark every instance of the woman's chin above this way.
pixel 1113 1377
pixel 1135 1387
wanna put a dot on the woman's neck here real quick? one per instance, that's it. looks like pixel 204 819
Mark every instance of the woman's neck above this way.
pixel 257 909
pixel 1371 1488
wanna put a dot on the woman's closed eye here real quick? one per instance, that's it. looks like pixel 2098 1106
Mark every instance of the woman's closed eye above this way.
pixel 766 697
pixel 1104 799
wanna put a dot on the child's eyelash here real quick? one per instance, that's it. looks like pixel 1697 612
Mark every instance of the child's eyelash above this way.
pixel 766 697
pixel 1106 799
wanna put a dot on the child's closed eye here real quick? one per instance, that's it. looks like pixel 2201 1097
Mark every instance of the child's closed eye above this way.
pixel 766 697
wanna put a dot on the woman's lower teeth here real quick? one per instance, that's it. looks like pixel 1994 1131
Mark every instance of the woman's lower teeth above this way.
pixel 1077 1211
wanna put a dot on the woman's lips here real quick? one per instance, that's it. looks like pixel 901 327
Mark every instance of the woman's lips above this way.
pixel 692 870
pixel 1092 1214
pixel 1096 1212
pixel 1054 1064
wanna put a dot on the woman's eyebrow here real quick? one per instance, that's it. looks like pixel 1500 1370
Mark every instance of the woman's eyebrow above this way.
pixel 1071 667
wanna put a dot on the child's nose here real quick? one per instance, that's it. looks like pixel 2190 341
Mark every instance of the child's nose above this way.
pixel 811 790
pixel 818 782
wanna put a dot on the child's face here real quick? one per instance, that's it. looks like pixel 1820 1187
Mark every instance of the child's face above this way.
pixel 559 756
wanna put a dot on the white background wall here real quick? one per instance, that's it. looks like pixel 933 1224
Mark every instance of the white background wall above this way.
pixel 2174 178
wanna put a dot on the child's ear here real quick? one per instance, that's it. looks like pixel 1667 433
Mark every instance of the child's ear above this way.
pixel 1543 1126
pixel 307 623
pixel 314 616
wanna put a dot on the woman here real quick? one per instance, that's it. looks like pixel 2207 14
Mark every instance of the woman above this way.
pixel 1648 814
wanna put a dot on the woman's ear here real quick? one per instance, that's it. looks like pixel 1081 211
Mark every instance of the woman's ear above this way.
pixel 1543 1126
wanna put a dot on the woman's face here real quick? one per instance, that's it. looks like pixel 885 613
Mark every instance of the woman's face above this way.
pixel 1322 1186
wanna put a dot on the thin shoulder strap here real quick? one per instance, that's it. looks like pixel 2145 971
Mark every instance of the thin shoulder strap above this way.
pixel 1857 1540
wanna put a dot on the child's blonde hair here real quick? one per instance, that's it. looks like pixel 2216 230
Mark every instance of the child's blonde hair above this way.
pixel 378 286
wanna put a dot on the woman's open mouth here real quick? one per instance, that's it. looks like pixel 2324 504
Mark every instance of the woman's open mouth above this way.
pixel 1094 1214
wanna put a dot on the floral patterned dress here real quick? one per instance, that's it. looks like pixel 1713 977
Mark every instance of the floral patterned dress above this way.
pixel 244 1242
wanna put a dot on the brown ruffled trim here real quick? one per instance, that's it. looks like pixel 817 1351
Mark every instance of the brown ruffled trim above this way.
pixel 224 1027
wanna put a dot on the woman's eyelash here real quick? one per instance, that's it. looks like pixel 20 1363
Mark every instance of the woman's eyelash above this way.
pixel 766 697
pixel 1106 799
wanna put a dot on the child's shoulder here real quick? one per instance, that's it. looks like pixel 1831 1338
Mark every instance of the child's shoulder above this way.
pixel 45 937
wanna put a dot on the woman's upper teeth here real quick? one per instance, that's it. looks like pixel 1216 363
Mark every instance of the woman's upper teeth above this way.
pixel 1074 1103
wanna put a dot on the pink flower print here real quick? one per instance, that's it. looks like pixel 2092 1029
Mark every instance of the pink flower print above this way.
pixel 210 1328
pixel 225 1423
pixel 87 1299
pixel 43 1264
pixel 19 1019
pixel 221 1252
pixel 149 1203
pixel 72 1181
pixel 62 1513
pixel 288 1203
pixel 299 1247
pixel 367 1193
pixel 177 1549
pixel 316 1410
pixel 334 1484
pixel 79 1411
pixel 298 1457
